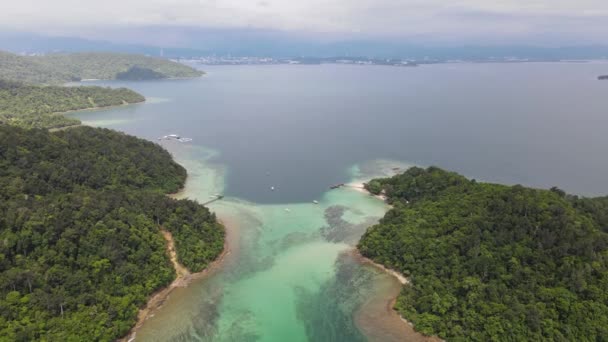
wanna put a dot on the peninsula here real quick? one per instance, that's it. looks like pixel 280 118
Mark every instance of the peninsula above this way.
pixel 492 262
pixel 62 68
pixel 83 215
pixel 33 106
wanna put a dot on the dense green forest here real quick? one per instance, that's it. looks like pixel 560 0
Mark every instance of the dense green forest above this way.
pixel 62 68
pixel 489 262
pixel 31 106
pixel 80 243
pixel 136 73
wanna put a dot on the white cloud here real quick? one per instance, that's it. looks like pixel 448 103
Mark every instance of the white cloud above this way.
pixel 438 18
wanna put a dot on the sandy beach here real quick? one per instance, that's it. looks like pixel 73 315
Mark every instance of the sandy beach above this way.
pixel 379 311
pixel 360 186
pixel 183 277
pixel 378 319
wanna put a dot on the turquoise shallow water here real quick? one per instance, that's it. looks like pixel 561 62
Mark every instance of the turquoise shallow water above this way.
pixel 291 274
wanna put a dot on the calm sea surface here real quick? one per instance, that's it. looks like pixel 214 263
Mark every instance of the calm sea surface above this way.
pixel 291 274
pixel 298 128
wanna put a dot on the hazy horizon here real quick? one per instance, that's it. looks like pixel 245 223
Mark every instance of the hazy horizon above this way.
pixel 197 23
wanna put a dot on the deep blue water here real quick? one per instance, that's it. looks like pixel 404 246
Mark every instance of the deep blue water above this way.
pixel 299 128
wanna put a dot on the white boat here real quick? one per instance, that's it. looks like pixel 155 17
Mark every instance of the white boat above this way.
pixel 315 202
pixel 287 210
pixel 272 188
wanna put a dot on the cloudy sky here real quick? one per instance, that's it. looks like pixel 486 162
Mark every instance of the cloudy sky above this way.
pixel 567 21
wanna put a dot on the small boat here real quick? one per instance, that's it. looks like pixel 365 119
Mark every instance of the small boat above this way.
pixel 175 137
pixel 287 210
pixel 315 202
pixel 272 188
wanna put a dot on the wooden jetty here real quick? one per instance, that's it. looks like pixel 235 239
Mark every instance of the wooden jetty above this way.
pixel 213 200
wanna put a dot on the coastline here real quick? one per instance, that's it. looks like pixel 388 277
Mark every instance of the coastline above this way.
pixel 183 278
pixel 360 187
pixel 396 327
pixel 377 318
pixel 92 80
pixel 403 280
pixel 92 109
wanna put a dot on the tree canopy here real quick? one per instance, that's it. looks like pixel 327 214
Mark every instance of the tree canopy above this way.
pixel 32 106
pixel 137 73
pixel 62 68
pixel 490 262
pixel 80 244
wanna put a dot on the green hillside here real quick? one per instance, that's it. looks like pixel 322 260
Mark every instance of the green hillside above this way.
pixel 489 262
pixel 80 242
pixel 62 68
pixel 31 106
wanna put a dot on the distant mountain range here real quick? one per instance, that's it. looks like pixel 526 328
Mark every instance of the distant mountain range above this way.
pixel 30 43
pixel 200 42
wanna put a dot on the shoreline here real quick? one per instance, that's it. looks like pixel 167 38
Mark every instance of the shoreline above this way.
pixel 183 279
pixel 389 303
pixel 92 109
pixel 93 80
pixel 360 187
pixel 377 318
pixel 367 261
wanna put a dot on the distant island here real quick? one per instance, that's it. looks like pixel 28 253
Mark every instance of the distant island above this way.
pixel 602 77
pixel 62 68
pixel 137 73
pixel 219 60
pixel 33 106
pixel 490 262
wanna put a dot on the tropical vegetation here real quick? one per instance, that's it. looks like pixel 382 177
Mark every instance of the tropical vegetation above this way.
pixel 81 213
pixel 33 106
pixel 490 262
pixel 62 68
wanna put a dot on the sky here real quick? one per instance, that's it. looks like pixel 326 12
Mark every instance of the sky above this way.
pixel 508 21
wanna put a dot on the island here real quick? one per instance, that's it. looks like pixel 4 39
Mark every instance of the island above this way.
pixel 493 262
pixel 62 68
pixel 137 73
pixel 85 225
pixel 33 106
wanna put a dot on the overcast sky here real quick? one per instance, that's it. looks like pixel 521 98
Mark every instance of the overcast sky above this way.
pixel 572 21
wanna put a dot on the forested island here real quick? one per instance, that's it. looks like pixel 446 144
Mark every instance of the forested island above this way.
pixel 490 262
pixel 136 73
pixel 81 212
pixel 33 106
pixel 62 68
